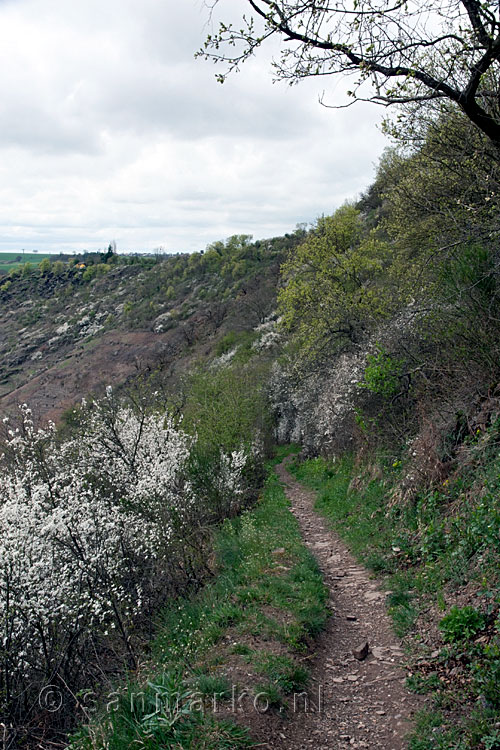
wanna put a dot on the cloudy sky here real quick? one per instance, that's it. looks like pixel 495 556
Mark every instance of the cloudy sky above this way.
pixel 111 130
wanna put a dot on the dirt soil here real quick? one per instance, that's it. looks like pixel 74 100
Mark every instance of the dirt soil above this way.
pixel 365 703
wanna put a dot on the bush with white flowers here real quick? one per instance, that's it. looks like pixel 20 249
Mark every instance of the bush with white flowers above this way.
pixel 92 529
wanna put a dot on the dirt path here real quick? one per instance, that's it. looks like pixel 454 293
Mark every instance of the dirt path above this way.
pixel 365 702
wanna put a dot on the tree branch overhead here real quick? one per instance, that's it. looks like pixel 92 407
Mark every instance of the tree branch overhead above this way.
pixel 406 51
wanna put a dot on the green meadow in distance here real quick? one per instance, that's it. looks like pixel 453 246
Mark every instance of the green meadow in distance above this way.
pixel 8 261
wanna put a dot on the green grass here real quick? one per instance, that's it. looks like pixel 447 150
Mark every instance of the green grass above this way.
pixel 283 672
pixel 429 733
pixel 213 685
pixel 8 261
pixel 358 517
pixel 268 590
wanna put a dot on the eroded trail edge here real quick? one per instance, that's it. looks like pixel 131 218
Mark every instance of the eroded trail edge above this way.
pixel 365 702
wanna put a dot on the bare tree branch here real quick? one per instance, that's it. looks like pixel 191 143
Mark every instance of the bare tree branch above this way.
pixel 407 51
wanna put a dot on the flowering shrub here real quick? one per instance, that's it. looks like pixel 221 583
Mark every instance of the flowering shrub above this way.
pixel 317 412
pixel 219 479
pixel 96 530
pixel 319 405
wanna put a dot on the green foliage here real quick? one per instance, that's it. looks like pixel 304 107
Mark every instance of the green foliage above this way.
pixel 227 407
pixel 226 343
pixel 426 235
pixel 95 270
pixel 486 672
pixel 211 686
pixel 193 633
pixel 166 714
pixel 430 733
pixel 26 270
pixel 382 374
pixel 240 341
pixel 435 731
pixel 332 292
pixel 283 672
pixel 269 696
pixel 357 515
pixel 433 214
pixel 441 208
pixel 461 624
pixel 13 262
pixel 58 268
pixel 45 266
pixel 403 614
pixel 241 648
pixel 422 685
pixel 282 451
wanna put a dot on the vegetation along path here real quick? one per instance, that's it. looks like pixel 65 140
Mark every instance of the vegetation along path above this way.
pixel 365 702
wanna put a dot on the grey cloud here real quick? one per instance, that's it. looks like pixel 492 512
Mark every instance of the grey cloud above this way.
pixel 110 129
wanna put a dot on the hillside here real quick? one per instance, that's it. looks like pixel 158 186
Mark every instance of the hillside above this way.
pixel 69 329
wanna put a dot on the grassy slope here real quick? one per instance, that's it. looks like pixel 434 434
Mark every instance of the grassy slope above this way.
pixel 253 621
pixel 8 261
pixel 440 556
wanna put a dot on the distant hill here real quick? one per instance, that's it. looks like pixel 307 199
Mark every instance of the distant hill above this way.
pixel 67 329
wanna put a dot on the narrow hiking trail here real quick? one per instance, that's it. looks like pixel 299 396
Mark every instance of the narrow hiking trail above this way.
pixel 365 702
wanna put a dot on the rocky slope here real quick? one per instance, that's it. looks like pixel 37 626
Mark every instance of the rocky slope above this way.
pixel 69 329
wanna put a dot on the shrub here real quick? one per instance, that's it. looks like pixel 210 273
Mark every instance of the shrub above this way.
pixel 461 624
pixel 487 674
pixel 97 531
pixel 382 374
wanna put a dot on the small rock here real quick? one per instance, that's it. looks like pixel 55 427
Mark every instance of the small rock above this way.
pixel 435 654
pixel 361 652
pixel 372 596
pixel 278 551
pixel 351 618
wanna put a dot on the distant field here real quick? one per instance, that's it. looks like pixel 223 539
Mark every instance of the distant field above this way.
pixel 8 261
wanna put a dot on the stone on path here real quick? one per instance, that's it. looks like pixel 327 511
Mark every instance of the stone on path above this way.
pixel 361 652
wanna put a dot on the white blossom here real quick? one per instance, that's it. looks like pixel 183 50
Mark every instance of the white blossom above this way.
pixel 89 525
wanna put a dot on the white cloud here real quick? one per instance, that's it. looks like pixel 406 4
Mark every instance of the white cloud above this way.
pixel 110 129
